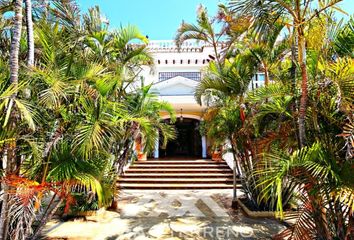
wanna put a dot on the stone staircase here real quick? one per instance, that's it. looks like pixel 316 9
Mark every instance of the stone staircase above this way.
pixel 177 174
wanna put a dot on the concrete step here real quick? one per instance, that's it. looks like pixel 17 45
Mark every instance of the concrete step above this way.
pixel 176 166
pixel 177 175
pixel 176 186
pixel 179 170
pixel 176 180
pixel 179 162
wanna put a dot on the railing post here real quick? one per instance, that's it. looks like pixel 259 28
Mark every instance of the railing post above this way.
pixel 204 147
pixel 156 152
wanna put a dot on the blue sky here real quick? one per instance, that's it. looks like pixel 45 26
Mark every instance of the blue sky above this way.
pixel 159 19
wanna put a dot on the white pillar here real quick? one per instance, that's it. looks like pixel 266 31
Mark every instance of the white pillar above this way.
pixel 204 147
pixel 156 152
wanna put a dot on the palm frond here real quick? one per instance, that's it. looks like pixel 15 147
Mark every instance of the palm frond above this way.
pixel 190 32
pixel 304 227
pixel 28 113
pixel 125 35
pixel 344 41
pixel 92 137
pixel 271 91
pixel 67 167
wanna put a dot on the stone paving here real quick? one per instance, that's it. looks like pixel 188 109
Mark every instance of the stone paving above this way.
pixel 168 214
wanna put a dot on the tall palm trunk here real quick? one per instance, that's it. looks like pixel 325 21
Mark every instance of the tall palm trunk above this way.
pixel 266 74
pixel 30 37
pixel 294 57
pixel 304 85
pixel 236 170
pixel 15 44
pixel 14 67
pixel 301 43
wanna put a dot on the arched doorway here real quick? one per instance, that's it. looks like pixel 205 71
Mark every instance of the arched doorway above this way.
pixel 188 142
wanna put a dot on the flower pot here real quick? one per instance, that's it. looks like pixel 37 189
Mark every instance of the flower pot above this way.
pixel 216 156
pixel 142 156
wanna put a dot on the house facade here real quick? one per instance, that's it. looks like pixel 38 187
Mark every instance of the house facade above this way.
pixel 175 75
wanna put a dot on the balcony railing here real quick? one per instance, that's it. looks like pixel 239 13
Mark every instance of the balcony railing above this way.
pixel 172 44
pixel 190 75
pixel 187 46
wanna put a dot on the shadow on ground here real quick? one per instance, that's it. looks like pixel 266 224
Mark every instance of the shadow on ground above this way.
pixel 167 215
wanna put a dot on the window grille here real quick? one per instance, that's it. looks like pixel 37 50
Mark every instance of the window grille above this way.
pixel 190 75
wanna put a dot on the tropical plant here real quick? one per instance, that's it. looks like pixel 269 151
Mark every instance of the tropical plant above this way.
pixel 300 14
pixel 81 92
pixel 344 42
pixel 325 192
pixel 231 78
pixel 268 50
pixel 277 172
pixel 14 72
pixel 223 124
pixel 204 31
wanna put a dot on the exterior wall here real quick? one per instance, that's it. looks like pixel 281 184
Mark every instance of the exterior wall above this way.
pixel 179 90
pixel 182 63
pixel 192 57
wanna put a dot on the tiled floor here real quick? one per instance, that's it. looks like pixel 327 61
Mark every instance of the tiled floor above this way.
pixel 169 214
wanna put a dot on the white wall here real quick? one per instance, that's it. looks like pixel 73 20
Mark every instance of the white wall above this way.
pixel 166 50
pixel 177 89
pixel 228 156
pixel 193 55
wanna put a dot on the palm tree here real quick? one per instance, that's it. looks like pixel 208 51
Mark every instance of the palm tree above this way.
pixel 30 37
pixel 222 90
pixel 231 78
pixel 268 50
pixel 301 15
pixel 14 71
pixel 269 126
pixel 77 174
pixel 204 31
pixel 224 126
pixel 344 41
pixel 316 170
pixel 15 43
pixel 325 193
pixel 145 104
pixel 69 175
pixel 80 99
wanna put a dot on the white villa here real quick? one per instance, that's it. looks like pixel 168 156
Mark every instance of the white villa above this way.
pixel 175 75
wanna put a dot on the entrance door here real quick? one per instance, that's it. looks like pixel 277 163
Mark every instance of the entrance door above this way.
pixel 188 141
